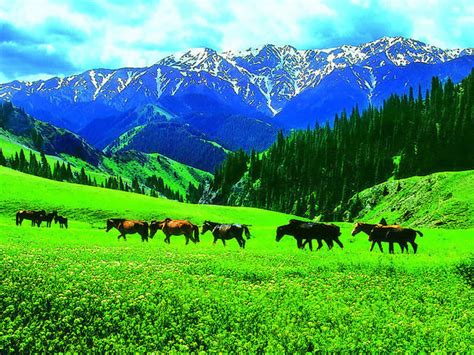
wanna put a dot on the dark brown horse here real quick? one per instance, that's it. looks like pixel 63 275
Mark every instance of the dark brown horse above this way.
pixel 175 227
pixel 378 233
pixel 62 221
pixel 33 216
pixel 48 218
pixel 306 232
pixel 225 232
pixel 395 235
pixel 125 226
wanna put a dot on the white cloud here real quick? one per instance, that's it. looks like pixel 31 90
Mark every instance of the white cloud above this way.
pixel 138 32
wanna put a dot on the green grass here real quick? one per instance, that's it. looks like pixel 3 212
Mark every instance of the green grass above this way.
pixel 80 289
pixel 176 175
pixel 442 199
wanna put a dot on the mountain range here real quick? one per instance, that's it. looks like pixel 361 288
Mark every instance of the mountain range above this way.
pixel 208 102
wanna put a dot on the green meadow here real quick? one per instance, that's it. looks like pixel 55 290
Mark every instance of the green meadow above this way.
pixel 80 289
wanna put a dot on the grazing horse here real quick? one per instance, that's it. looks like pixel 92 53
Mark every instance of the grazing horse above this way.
pixel 125 226
pixel 175 227
pixel 62 221
pixel 306 232
pixel 395 235
pixel 379 235
pixel 33 216
pixel 48 218
pixel 227 231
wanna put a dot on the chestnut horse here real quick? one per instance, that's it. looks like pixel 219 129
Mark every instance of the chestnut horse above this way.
pixel 175 227
pixel 33 216
pixel 125 226
pixel 225 232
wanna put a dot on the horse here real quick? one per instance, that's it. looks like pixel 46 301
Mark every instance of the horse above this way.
pixel 379 235
pixel 227 231
pixel 48 218
pixel 125 226
pixel 330 233
pixel 62 221
pixel 175 227
pixel 33 216
pixel 305 232
pixel 395 235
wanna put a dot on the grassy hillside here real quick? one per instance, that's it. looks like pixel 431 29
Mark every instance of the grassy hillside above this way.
pixel 127 164
pixel 81 289
pixel 437 200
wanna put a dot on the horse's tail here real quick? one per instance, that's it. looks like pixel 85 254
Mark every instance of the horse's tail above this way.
pixel 418 232
pixel 196 232
pixel 18 218
pixel 246 230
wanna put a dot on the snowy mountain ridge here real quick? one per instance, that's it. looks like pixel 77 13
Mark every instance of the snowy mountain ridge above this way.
pixel 262 80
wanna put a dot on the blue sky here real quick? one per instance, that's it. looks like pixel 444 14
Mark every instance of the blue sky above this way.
pixel 44 38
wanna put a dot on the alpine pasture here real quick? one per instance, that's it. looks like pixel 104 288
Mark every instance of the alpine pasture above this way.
pixel 80 289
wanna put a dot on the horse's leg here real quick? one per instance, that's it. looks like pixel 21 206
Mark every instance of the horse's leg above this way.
pixel 330 243
pixel 390 248
pixel 373 244
pixel 415 246
pixel 310 242
pixel 187 239
pixel 380 246
pixel 223 241
pixel 215 241
pixel 338 242
pixel 320 243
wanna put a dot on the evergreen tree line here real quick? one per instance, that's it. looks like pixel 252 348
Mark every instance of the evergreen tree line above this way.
pixel 63 172
pixel 312 172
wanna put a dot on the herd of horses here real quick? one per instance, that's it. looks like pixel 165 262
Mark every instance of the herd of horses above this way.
pixel 38 217
pixel 304 232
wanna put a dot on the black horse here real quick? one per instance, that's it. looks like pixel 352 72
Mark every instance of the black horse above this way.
pixel 62 221
pixel 33 216
pixel 48 218
pixel 306 232
pixel 394 235
pixel 225 232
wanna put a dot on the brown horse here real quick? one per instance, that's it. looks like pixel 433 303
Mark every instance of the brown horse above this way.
pixel 125 226
pixel 175 227
pixel 379 235
pixel 227 232
pixel 62 221
pixel 395 235
pixel 33 216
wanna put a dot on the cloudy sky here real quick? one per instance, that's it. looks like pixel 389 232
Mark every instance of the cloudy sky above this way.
pixel 44 38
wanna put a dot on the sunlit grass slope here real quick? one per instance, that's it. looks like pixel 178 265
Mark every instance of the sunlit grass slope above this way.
pixel 80 289
pixel 438 200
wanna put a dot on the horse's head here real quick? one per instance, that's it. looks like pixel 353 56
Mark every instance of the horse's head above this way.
pixel 153 228
pixel 357 228
pixel 207 226
pixel 280 232
pixel 110 224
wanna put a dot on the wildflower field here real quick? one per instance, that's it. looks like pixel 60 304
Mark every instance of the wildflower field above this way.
pixel 80 289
